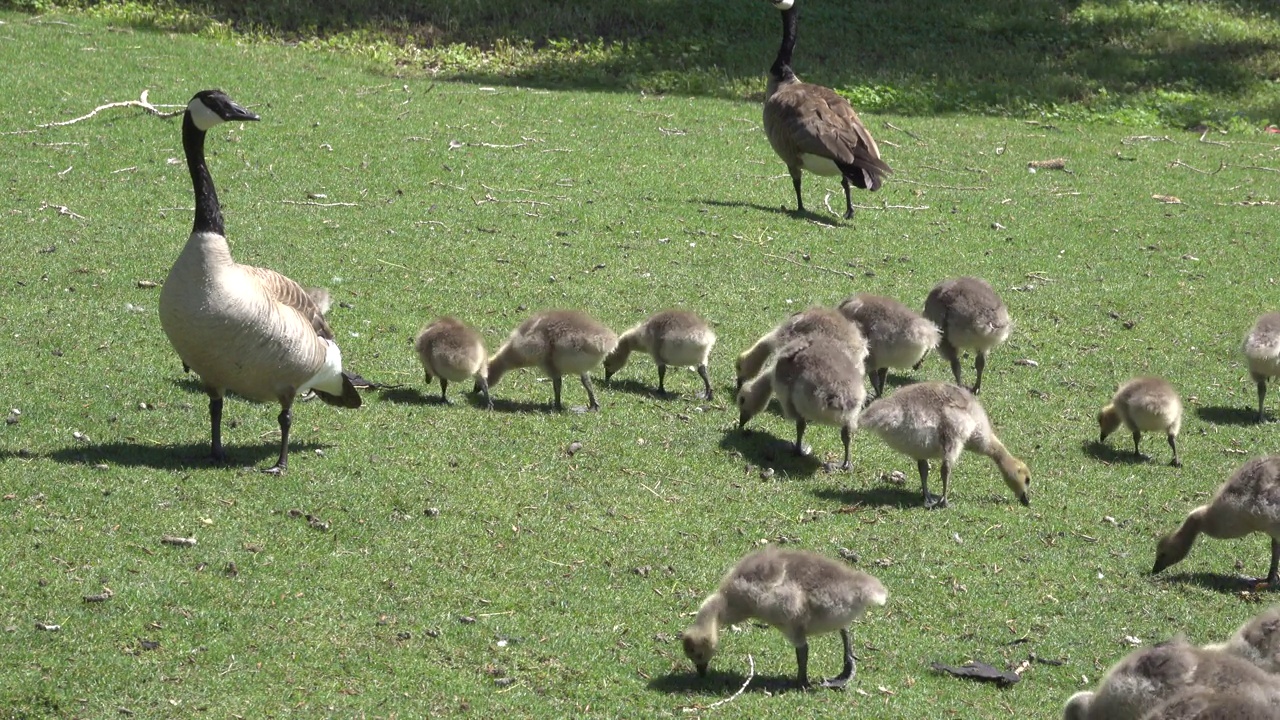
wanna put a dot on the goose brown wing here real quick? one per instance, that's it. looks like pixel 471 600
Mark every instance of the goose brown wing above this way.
pixel 310 303
pixel 823 123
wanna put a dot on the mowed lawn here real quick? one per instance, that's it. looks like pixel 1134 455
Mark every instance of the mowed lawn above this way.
pixel 463 562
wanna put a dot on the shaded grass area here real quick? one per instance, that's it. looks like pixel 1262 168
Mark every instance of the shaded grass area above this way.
pixel 470 564
pixel 1180 63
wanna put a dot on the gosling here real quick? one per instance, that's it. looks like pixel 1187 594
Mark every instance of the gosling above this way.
pixel 672 337
pixel 934 420
pixel 1144 403
pixel 813 321
pixel 801 593
pixel 560 342
pixel 1262 350
pixel 1257 641
pixel 1209 704
pixel 1248 502
pixel 1148 676
pixel 897 336
pixel 817 379
pixel 972 317
pixel 452 350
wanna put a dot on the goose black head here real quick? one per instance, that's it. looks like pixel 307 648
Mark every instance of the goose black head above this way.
pixel 210 107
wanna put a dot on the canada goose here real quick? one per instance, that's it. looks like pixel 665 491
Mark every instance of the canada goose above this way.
pixel 1148 676
pixel 243 329
pixel 672 337
pixel 817 379
pixel 1262 350
pixel 937 420
pixel 897 336
pixel 452 350
pixel 972 317
pixel 812 321
pixel 1144 403
pixel 561 342
pixel 1248 502
pixel 799 592
pixel 1257 641
pixel 1210 704
pixel 812 128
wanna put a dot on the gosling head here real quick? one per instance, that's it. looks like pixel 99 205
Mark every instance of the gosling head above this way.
pixel 211 107
pixel 699 647
pixel 752 398
pixel 1018 477
pixel 1108 421
pixel 613 362
pixel 1169 551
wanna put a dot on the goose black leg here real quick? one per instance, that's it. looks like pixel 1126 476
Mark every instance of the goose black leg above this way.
pixel 285 418
pixel 795 180
pixel 802 665
pixel 591 393
pixel 848 200
pixel 1173 443
pixel 979 364
pixel 706 380
pixel 850 665
pixel 218 455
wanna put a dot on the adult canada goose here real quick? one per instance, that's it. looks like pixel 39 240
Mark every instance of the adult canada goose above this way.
pixel 812 128
pixel 799 592
pixel 972 317
pixel 672 337
pixel 243 329
pixel 452 350
pixel 1148 676
pixel 812 321
pixel 1248 502
pixel 897 336
pixel 1144 403
pixel 933 420
pixel 1262 350
pixel 817 379
pixel 561 342
pixel 1257 641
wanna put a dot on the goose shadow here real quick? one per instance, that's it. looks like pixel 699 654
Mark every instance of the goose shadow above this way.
pixel 776 210
pixel 768 450
pixel 1112 454
pixel 1216 582
pixel 879 495
pixel 1227 415
pixel 173 457
pixel 721 683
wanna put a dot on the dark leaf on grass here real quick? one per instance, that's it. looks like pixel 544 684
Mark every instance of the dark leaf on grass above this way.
pixel 979 671
pixel 148 644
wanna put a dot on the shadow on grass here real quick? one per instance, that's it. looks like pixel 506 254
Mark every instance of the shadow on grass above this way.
pixel 1228 415
pixel 637 387
pixel 174 457
pixel 1112 454
pixel 833 220
pixel 720 684
pixel 878 495
pixel 1209 581
pixel 770 451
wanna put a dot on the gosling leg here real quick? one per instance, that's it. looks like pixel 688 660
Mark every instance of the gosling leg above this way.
pixel 800 426
pixel 846 435
pixel 1262 394
pixel 1137 438
pixel 1173 443
pixel 850 665
pixel 948 351
pixel 979 363
pixel 591 393
pixel 706 380
pixel 802 665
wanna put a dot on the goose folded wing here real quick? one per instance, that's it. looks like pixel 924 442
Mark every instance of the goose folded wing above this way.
pixel 825 124
pixel 311 303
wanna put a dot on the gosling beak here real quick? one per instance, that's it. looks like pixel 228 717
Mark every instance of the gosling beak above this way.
pixel 1026 501
pixel 742 421
pixel 702 670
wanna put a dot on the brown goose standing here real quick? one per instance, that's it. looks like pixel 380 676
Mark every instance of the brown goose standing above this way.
pixel 813 128
pixel 243 329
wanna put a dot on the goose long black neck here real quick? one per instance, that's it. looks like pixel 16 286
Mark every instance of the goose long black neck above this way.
pixel 781 69
pixel 208 211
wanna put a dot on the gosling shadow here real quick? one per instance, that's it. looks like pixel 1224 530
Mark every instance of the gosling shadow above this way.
pixel 187 456
pixel 1216 582
pixel 768 450
pixel 409 396
pixel 636 387
pixel 718 683
pixel 878 495
pixel 1112 454
pixel 1228 415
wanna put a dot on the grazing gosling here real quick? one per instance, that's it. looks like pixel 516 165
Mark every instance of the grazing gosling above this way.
pixel 1248 502
pixel 560 342
pixel 672 337
pixel 1262 350
pixel 1150 675
pixel 897 336
pixel 453 350
pixel 937 420
pixel 1144 403
pixel 1257 641
pixel 817 379
pixel 813 321
pixel 799 592
pixel 972 317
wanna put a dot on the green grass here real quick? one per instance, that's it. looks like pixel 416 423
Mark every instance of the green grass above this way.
pixel 580 571
pixel 1182 62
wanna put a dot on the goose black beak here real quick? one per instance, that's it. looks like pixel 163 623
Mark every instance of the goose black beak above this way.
pixel 1026 501
pixel 702 670
pixel 237 112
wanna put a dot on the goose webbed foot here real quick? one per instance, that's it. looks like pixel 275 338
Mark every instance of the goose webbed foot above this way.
pixel 934 502
pixel 277 469
pixel 836 683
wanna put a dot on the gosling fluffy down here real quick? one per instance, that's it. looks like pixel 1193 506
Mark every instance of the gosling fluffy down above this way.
pixel 453 351
pixel 676 338
pixel 897 336
pixel 812 321
pixel 972 317
pixel 799 592
pixel 1262 351
pixel 560 342
pixel 1147 404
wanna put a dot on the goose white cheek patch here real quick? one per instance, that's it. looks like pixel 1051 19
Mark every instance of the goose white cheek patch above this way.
pixel 784 4
pixel 201 115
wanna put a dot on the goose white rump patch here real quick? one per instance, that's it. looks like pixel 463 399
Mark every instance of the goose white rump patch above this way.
pixel 819 165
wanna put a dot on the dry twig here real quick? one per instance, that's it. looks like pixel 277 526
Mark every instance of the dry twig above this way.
pixel 833 271
pixel 142 102
pixel 751 673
